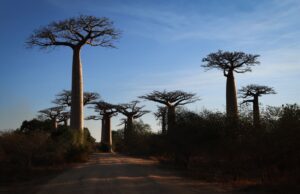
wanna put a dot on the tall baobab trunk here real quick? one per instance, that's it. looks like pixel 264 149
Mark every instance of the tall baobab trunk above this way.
pixel 163 124
pixel 171 118
pixel 231 99
pixel 103 130
pixel 108 137
pixel 76 122
pixel 128 130
pixel 256 119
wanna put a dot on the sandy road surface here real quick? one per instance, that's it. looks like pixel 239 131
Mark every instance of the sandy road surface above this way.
pixel 117 174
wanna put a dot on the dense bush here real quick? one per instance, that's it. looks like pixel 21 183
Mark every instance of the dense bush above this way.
pixel 35 145
pixel 140 134
pixel 206 143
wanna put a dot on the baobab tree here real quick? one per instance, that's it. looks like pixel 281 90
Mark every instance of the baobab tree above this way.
pixel 230 62
pixel 172 100
pixel 131 111
pixel 64 117
pixel 64 98
pixel 106 111
pixel 75 33
pixel 161 114
pixel 251 93
pixel 53 114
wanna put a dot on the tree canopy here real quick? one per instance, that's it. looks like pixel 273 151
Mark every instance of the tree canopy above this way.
pixel 238 62
pixel 254 90
pixel 64 98
pixel 75 32
pixel 132 109
pixel 172 98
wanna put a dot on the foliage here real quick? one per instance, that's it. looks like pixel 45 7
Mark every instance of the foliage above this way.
pixel 35 144
pixel 140 134
pixel 206 144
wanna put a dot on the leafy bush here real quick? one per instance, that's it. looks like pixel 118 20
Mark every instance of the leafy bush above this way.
pixel 35 145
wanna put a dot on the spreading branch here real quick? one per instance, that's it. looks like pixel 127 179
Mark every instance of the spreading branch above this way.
pixel 132 109
pixel 75 32
pixel 64 98
pixel 238 62
pixel 172 98
pixel 253 91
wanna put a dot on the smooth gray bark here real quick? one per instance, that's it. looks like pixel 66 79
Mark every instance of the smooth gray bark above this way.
pixel 171 118
pixel 256 119
pixel 76 120
pixel 231 97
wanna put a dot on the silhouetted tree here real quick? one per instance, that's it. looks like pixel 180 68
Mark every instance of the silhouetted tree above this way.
pixel 251 93
pixel 123 122
pixel 106 111
pixel 161 115
pixel 35 125
pixel 171 100
pixel 230 62
pixel 131 111
pixel 64 117
pixel 64 98
pixel 75 33
pixel 52 113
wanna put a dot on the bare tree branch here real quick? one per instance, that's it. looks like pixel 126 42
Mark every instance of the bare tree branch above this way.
pixel 172 98
pixel 239 62
pixel 76 31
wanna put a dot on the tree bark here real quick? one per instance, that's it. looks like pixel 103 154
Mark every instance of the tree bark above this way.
pixel 108 136
pixel 66 122
pixel 103 130
pixel 54 123
pixel 163 124
pixel 76 122
pixel 171 118
pixel 231 98
pixel 256 116
pixel 128 130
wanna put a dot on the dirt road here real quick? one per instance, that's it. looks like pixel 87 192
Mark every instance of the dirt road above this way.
pixel 116 174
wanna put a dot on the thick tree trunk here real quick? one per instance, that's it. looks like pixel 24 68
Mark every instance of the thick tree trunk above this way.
pixel 108 139
pixel 128 130
pixel 163 124
pixel 171 118
pixel 231 99
pixel 54 123
pixel 103 130
pixel 256 119
pixel 76 122
pixel 66 122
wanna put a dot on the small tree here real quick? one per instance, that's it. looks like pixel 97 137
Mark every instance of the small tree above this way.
pixel 230 62
pixel 171 100
pixel 106 111
pixel 75 33
pixel 250 93
pixel 52 114
pixel 131 111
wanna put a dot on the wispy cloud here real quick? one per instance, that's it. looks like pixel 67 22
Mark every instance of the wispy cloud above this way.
pixel 269 23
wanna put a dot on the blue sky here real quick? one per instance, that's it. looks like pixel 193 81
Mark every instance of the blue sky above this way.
pixel 161 47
